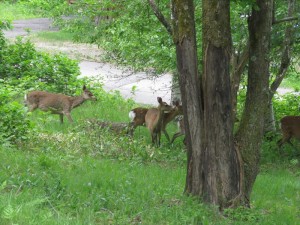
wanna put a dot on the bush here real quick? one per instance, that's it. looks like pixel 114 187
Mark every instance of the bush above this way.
pixel 285 105
pixel 21 63
pixel 15 126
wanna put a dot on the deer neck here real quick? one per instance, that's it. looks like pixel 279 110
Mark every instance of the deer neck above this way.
pixel 160 117
pixel 77 101
pixel 170 116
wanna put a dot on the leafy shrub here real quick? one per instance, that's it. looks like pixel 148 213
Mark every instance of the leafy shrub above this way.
pixel 22 63
pixel 14 124
pixel 285 105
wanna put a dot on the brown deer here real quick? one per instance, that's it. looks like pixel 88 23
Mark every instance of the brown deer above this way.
pixel 290 127
pixel 57 103
pixel 154 120
pixel 169 116
pixel 181 130
pixel 137 116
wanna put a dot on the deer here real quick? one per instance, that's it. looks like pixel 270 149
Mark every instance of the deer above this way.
pixel 169 116
pixel 181 130
pixel 137 116
pixel 57 103
pixel 154 120
pixel 290 127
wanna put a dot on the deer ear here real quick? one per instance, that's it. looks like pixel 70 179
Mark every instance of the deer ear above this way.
pixel 159 99
pixel 84 87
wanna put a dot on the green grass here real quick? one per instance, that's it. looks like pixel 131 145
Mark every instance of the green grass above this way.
pixel 15 12
pixel 78 174
pixel 56 36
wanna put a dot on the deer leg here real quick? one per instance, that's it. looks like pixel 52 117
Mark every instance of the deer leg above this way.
pixel 166 134
pixel 68 115
pixel 61 118
pixel 158 138
pixel 130 129
pixel 284 139
pixel 176 135
pixel 154 139
pixel 32 107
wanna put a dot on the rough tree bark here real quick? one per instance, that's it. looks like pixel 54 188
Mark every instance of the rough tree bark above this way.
pixel 186 52
pixel 221 169
pixel 213 170
pixel 250 133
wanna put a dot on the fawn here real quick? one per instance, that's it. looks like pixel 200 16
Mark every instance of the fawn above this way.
pixel 169 116
pixel 57 103
pixel 154 120
pixel 181 130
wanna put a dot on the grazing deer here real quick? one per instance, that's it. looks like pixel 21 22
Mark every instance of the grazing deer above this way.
pixel 57 103
pixel 181 130
pixel 137 116
pixel 290 127
pixel 154 120
pixel 169 116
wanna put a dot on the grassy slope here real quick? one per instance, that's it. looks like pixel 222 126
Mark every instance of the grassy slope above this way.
pixel 70 174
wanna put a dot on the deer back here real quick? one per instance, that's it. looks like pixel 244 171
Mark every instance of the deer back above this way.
pixel 137 116
pixel 48 101
pixel 290 125
pixel 154 116
pixel 56 103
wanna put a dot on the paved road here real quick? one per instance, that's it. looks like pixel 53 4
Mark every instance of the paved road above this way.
pixel 22 27
pixel 146 87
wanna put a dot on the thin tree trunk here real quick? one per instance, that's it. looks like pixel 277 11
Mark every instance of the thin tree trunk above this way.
pixel 284 65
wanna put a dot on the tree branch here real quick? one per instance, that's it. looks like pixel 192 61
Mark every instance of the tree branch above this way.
pixel 286 55
pixel 238 68
pixel 160 16
pixel 287 19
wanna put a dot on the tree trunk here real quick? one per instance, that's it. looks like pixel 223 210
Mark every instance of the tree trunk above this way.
pixel 213 168
pixel 250 133
pixel 221 170
pixel 175 89
pixel 186 52
pixel 269 120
